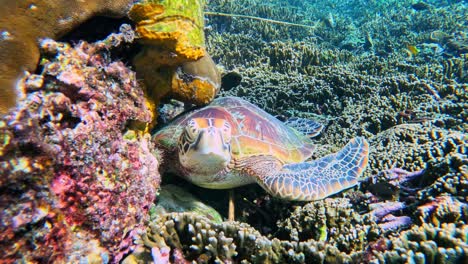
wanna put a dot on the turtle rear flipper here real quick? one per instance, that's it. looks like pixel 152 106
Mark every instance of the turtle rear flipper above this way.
pixel 313 180
pixel 305 126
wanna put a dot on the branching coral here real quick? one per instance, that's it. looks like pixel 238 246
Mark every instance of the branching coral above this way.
pixel 203 241
pixel 426 244
pixel 332 220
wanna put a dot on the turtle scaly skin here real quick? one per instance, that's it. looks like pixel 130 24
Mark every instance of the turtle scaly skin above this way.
pixel 232 142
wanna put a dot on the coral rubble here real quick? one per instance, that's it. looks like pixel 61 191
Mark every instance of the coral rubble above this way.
pixel 77 170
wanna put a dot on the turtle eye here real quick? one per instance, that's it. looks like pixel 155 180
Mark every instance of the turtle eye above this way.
pixel 226 131
pixel 191 131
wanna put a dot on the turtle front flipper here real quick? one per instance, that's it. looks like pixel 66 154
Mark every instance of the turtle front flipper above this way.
pixel 313 180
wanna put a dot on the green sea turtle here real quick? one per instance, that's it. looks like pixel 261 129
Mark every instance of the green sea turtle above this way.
pixel 232 142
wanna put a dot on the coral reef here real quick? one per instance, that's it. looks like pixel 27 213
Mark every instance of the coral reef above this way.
pixel 398 79
pixel 410 108
pixel 77 170
pixel 24 22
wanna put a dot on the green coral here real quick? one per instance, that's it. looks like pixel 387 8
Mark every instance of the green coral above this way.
pixel 188 10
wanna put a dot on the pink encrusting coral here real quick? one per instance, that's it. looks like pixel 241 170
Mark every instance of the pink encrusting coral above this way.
pixel 78 174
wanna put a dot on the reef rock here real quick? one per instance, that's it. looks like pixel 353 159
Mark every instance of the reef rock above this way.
pixel 24 22
pixel 77 170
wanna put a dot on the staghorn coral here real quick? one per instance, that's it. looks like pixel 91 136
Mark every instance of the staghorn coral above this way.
pixel 24 22
pixel 77 171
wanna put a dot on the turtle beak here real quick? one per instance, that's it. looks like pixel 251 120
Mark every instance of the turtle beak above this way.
pixel 212 144
pixel 209 152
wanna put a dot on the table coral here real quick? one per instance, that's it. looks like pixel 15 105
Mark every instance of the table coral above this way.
pixel 78 171
pixel 24 22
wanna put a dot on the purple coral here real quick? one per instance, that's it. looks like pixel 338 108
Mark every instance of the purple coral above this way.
pixel 78 152
pixel 387 221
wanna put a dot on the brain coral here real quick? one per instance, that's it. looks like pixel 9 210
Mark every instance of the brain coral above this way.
pixel 78 172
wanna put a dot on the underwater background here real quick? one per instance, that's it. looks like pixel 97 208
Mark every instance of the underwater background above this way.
pixel 79 170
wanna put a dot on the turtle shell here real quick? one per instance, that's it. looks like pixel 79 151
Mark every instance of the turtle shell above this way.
pixel 254 131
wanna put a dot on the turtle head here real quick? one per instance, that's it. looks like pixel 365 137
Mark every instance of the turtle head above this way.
pixel 205 145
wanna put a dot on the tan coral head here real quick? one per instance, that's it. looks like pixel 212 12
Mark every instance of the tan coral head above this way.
pixel 197 82
pixel 7 96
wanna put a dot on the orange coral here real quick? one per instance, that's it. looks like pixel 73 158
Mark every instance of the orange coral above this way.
pixel 178 48
pixel 175 25
pixel 174 60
